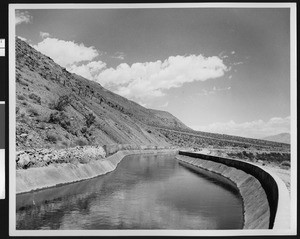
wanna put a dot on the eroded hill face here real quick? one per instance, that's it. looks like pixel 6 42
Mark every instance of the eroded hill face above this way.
pixel 57 108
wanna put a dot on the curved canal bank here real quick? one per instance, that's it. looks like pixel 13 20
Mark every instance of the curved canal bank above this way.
pixel 266 198
pixel 57 174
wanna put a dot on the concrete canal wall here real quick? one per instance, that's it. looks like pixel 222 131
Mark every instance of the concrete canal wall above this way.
pixel 265 196
pixel 57 174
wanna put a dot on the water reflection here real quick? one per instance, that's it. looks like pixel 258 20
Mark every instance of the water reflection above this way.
pixel 144 192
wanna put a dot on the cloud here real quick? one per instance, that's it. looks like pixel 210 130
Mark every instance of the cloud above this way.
pixel 44 34
pixel 213 90
pixel 254 129
pixel 237 63
pixel 22 16
pixel 89 70
pixel 150 79
pixel 165 105
pixel 66 53
pixel 138 81
pixel 221 55
pixel 119 55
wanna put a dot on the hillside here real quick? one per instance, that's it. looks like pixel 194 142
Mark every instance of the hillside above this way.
pixel 280 138
pixel 57 108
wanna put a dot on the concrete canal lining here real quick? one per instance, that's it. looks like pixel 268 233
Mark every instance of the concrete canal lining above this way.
pixel 57 174
pixel 277 195
pixel 265 197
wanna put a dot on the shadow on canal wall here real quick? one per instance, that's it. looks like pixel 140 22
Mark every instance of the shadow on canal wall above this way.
pixel 266 198
pixel 58 174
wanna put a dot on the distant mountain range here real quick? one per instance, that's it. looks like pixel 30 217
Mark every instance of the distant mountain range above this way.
pixel 280 138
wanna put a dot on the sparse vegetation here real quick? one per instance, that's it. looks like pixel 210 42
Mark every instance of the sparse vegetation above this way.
pixel 35 97
pixel 83 130
pixel 22 82
pixel 32 112
pixel 65 143
pixel 52 137
pixel 42 125
pixel 90 119
pixel 81 142
pixel 285 164
pixel 61 103
pixel 21 97
pixel 60 118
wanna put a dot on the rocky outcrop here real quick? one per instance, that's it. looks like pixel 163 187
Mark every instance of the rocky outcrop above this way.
pixel 43 157
pixel 57 174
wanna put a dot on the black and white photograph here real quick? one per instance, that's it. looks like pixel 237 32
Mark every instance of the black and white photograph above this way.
pixel 152 119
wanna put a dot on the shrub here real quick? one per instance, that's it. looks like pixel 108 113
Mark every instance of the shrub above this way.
pixel 89 119
pixel 21 97
pixel 84 130
pixel 61 103
pixel 52 137
pixel 35 97
pixel 17 109
pixel 33 112
pixel 22 82
pixel 286 164
pixel 60 118
pixel 65 143
pixel 81 142
pixel 42 118
pixel 42 125
pixel 23 120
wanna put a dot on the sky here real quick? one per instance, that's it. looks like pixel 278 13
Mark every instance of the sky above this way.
pixel 222 70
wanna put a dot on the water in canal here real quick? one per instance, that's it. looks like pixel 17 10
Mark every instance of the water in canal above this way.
pixel 144 192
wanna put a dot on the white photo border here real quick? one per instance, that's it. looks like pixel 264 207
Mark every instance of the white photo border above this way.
pixel 12 125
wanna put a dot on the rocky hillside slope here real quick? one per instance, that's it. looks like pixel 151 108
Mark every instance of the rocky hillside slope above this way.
pixel 57 108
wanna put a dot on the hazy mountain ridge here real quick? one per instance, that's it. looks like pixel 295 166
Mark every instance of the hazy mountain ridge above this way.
pixel 280 138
